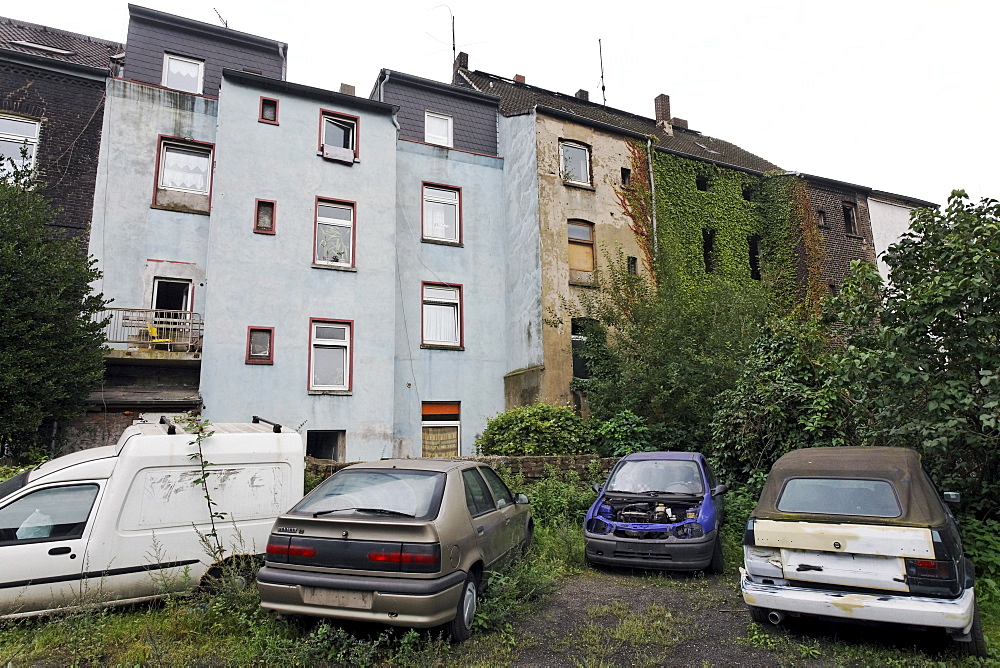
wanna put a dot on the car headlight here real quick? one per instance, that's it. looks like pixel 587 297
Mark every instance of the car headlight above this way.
pixel 597 525
pixel 689 530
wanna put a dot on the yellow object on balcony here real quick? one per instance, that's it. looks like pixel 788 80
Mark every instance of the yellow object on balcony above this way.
pixel 154 336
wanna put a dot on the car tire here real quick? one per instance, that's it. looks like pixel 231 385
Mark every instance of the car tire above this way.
pixel 716 566
pixel 976 645
pixel 460 628
pixel 529 538
pixel 759 615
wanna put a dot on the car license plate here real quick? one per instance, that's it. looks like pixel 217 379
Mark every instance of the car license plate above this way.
pixel 644 548
pixel 338 598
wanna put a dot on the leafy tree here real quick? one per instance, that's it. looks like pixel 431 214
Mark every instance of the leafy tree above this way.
pixel 51 348
pixel 538 429
pixel 787 398
pixel 664 351
pixel 922 355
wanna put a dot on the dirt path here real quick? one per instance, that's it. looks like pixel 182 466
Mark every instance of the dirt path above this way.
pixel 623 618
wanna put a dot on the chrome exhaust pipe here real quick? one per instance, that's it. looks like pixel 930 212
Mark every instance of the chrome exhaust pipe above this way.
pixel 775 617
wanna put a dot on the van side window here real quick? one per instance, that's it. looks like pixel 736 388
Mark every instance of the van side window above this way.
pixel 53 513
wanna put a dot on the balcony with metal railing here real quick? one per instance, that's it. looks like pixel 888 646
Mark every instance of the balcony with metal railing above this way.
pixel 153 334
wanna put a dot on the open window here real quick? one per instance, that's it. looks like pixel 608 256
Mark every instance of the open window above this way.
pixel 850 218
pixel 338 138
pixel 171 295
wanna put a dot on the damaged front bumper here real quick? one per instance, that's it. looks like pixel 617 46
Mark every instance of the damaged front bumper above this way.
pixel 680 554
pixel 954 614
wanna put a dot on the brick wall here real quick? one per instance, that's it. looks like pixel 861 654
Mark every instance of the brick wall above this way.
pixel 474 125
pixel 840 248
pixel 72 111
pixel 532 468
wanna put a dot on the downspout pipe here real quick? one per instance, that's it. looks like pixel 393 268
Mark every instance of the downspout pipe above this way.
pixel 381 97
pixel 652 196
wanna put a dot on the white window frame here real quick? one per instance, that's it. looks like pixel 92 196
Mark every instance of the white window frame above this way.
pixel 563 145
pixel 18 138
pixel 345 154
pixel 456 202
pixel 159 280
pixel 190 148
pixel 318 343
pixel 320 220
pixel 454 303
pixel 440 140
pixel 167 57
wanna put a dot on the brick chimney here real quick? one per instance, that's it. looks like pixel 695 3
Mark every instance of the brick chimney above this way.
pixel 679 123
pixel 662 106
pixel 346 89
pixel 583 95
pixel 519 78
pixel 461 63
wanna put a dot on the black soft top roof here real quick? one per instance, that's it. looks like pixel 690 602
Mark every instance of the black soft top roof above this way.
pixel 917 496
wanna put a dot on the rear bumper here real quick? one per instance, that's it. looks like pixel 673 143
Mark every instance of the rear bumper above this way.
pixel 396 601
pixel 949 613
pixel 672 555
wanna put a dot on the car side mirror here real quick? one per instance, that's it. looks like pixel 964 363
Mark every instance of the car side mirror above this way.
pixel 597 488
pixel 720 490
pixel 521 499
pixel 952 497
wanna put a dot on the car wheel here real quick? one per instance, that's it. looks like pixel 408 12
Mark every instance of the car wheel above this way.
pixel 976 646
pixel 460 628
pixel 529 537
pixel 759 615
pixel 716 566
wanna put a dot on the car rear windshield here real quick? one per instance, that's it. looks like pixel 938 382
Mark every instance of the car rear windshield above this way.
pixel 839 496
pixel 656 475
pixel 376 492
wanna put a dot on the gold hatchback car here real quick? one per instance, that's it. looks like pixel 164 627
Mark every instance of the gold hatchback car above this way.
pixel 405 542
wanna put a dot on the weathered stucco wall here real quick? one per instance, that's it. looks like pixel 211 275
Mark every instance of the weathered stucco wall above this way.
pixel 523 296
pixel 474 375
pixel 132 242
pixel 559 202
pixel 268 280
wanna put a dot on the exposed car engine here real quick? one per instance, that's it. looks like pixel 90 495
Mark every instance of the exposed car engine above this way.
pixel 651 512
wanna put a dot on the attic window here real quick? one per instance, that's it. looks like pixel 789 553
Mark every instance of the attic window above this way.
pixel 702 182
pixel 183 74
pixel 42 47
pixel 626 177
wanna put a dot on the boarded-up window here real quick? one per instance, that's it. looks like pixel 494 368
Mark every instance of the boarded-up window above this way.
pixel 440 429
pixel 581 245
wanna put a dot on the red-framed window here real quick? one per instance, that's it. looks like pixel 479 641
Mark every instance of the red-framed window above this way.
pixel 334 237
pixel 268 111
pixel 339 136
pixel 264 216
pixel 260 345
pixel 441 214
pixel 441 315
pixel 331 355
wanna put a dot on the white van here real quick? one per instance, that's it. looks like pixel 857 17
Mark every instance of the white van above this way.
pixel 121 523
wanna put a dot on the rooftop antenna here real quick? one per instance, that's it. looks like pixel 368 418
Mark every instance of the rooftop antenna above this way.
pixel 600 52
pixel 454 53
pixel 224 23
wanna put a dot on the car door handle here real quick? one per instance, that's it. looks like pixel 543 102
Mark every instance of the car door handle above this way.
pixel 480 531
pixel 60 550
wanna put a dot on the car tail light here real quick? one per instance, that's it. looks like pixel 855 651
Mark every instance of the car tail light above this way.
pixel 930 568
pixel 279 548
pixel 412 557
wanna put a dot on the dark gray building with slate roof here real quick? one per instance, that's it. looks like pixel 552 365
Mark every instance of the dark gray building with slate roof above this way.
pixel 52 103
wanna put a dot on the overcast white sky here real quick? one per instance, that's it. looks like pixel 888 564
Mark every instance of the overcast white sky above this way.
pixel 898 95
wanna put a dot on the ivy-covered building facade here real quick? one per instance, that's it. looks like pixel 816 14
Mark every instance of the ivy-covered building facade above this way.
pixel 588 186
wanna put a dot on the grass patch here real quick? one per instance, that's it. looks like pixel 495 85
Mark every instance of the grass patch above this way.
pixel 615 634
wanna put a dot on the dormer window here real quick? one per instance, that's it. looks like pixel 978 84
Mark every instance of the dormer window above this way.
pixel 438 129
pixel 339 137
pixel 183 74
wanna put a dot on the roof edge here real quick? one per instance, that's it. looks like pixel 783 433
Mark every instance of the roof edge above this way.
pixel 904 198
pixel 59 31
pixel 309 91
pixel 55 64
pixel 450 89
pixel 156 16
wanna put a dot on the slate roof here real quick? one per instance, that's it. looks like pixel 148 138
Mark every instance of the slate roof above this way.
pixel 84 50
pixel 517 98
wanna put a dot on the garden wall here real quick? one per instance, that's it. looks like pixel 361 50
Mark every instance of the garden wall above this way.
pixel 532 468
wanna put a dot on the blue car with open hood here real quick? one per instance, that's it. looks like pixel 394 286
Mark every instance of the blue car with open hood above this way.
pixel 659 510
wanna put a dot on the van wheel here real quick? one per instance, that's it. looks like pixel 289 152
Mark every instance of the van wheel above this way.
pixel 460 628
pixel 976 646
pixel 716 566
pixel 759 615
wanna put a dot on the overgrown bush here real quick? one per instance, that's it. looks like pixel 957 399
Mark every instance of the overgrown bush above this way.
pixel 538 429
pixel 622 434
